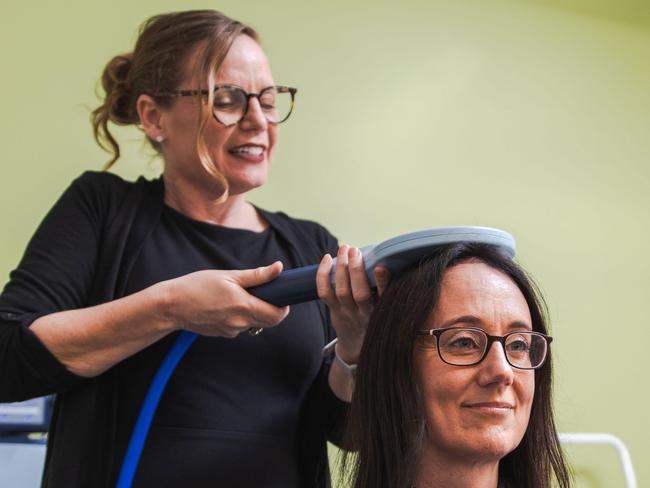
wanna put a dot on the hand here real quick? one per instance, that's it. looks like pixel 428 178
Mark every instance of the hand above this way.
pixel 215 303
pixel 352 301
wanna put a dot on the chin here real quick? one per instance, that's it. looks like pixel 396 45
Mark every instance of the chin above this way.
pixel 247 179
pixel 239 186
pixel 494 446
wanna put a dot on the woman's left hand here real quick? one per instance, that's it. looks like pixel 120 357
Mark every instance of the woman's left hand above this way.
pixel 351 301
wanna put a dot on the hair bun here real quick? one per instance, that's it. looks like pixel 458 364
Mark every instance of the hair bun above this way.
pixel 119 66
pixel 115 81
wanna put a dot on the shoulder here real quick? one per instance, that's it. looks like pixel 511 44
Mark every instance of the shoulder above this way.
pixel 106 191
pixel 99 199
pixel 300 230
pixel 98 188
pixel 102 182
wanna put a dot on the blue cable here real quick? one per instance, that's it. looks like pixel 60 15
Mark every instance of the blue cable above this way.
pixel 141 429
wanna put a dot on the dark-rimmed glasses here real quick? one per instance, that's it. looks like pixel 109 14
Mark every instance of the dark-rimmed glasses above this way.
pixel 469 346
pixel 231 102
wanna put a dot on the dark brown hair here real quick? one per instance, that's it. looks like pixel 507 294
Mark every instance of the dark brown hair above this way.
pixel 156 66
pixel 387 422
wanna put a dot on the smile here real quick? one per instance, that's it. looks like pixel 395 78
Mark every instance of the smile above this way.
pixel 247 150
pixel 490 408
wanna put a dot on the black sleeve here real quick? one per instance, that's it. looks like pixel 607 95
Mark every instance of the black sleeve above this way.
pixel 329 243
pixel 55 274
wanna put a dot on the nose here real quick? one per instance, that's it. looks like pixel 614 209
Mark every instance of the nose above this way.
pixel 254 118
pixel 495 367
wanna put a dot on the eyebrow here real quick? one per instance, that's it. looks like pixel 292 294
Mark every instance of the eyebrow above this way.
pixel 476 322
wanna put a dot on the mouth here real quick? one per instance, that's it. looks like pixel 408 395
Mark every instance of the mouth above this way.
pixel 249 152
pixel 494 408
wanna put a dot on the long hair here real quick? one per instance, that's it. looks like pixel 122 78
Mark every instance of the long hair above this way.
pixel 156 66
pixel 386 425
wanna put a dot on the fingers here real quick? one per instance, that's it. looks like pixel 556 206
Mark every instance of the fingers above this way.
pixel 253 313
pixel 351 291
pixel 361 293
pixel 323 285
pixel 343 289
pixel 258 276
pixel 264 314
pixel 261 313
pixel 339 294
pixel 214 302
pixel 382 278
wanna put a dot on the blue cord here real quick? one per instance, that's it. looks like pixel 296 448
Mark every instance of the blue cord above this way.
pixel 141 429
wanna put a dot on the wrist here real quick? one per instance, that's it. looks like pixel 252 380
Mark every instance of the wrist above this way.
pixel 349 368
pixel 164 305
pixel 348 351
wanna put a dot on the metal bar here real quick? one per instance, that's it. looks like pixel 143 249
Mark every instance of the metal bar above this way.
pixel 609 439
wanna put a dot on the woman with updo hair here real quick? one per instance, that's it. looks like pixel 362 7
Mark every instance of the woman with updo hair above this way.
pixel 117 269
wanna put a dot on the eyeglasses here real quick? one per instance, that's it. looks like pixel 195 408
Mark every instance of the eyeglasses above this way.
pixel 469 346
pixel 231 102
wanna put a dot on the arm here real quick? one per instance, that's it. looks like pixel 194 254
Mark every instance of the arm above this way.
pixel 351 304
pixel 55 273
pixel 89 341
pixel 52 335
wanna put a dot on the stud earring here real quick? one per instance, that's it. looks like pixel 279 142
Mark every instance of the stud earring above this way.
pixel 159 139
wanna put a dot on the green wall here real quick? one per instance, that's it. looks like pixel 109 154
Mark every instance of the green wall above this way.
pixel 529 116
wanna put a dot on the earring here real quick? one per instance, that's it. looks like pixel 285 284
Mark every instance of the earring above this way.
pixel 159 139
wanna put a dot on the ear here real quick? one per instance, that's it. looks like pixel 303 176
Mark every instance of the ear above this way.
pixel 151 118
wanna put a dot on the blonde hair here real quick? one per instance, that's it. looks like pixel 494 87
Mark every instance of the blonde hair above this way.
pixel 156 66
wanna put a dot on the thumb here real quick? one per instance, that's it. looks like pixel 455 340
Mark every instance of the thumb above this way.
pixel 382 278
pixel 253 277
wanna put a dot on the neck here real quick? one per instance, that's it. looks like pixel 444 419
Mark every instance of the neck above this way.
pixel 209 206
pixel 435 471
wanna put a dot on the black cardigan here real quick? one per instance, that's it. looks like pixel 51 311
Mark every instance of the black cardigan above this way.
pixel 81 255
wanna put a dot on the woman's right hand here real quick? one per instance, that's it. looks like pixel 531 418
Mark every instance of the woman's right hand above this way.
pixel 215 302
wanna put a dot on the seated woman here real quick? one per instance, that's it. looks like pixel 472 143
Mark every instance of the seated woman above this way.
pixel 454 380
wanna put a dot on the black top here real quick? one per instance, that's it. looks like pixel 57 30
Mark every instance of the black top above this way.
pixel 232 406
pixel 249 411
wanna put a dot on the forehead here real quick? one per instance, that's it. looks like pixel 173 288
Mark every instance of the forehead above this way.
pixel 245 54
pixel 478 290
pixel 245 64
